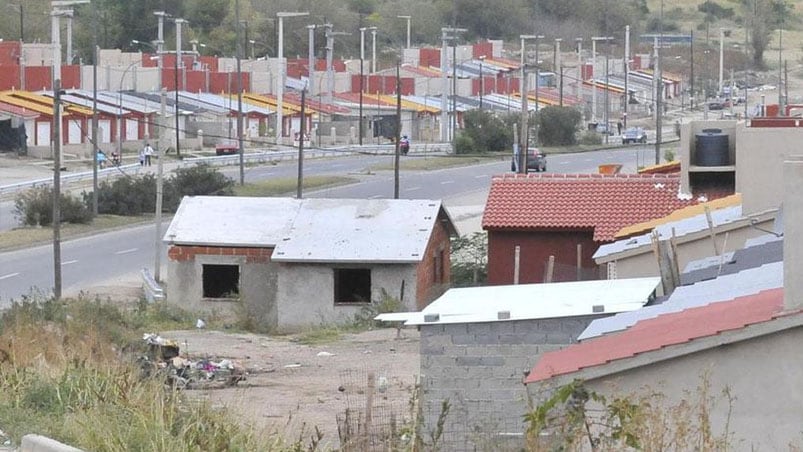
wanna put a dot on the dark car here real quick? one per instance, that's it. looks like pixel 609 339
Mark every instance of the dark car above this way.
pixel 536 160
pixel 634 135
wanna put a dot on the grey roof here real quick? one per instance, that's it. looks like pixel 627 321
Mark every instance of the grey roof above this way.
pixel 78 100
pixel 129 102
pixel 230 104
pixel 724 288
pixel 745 258
pixel 682 227
pixel 533 301
pixel 311 230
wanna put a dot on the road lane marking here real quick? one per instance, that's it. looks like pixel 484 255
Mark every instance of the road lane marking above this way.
pixel 10 275
pixel 413 189
pixel 587 160
pixel 447 182
pixel 481 176
pixel 376 196
pixel 130 250
pixel 69 262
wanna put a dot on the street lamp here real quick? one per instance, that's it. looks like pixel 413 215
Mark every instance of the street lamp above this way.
pixel 594 75
pixel 721 61
pixel 408 27
pixel 282 73
pixel 362 77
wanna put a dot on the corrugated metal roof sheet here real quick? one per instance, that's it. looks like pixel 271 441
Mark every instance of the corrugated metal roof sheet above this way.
pixel 682 227
pixel 311 230
pixel 745 258
pixel 725 287
pixel 533 301
pixel 663 331
pixel 681 214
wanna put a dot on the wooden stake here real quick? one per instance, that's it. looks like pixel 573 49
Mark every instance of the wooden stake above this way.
pixel 550 269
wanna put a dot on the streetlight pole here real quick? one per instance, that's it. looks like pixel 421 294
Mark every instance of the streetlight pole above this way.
pixel 627 75
pixel 721 60
pixel 373 50
pixel 362 78
pixel 558 64
pixel 594 76
pixel 239 50
pixel 537 68
pixel 409 18
pixel 282 74
pixel 311 58
pixel 178 64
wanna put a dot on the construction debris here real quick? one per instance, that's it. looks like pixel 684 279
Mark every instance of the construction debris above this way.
pixel 163 357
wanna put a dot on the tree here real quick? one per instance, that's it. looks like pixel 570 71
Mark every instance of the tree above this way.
pixel 762 17
pixel 557 125
pixel 487 132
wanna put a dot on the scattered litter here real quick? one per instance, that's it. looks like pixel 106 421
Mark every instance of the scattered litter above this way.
pixel 367 352
pixel 164 357
pixel 200 324
pixel 325 354
pixel 292 366
pixel 382 384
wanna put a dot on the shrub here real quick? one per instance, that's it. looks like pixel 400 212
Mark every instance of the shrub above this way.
pixel 464 144
pixel 488 132
pixel 126 196
pixel 557 125
pixel 195 181
pixel 34 207
pixel 590 137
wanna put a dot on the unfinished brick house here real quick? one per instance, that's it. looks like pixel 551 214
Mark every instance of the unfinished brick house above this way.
pixel 290 263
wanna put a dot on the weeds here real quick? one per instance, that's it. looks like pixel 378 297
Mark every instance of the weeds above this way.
pixel 64 374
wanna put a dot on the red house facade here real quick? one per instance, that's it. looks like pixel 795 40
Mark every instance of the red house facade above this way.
pixel 530 218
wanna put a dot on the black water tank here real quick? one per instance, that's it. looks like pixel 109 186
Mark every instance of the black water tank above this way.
pixel 711 148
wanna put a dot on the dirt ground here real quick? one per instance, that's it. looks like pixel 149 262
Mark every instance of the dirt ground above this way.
pixel 293 388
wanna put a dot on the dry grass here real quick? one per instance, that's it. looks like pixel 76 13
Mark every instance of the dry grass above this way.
pixel 278 187
pixel 29 235
pixel 67 371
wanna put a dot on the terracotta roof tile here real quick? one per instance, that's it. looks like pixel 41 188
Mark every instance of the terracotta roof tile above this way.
pixel 604 203
pixel 662 331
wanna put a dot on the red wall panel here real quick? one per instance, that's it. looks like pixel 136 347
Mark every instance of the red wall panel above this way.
pixel 485 49
pixel 9 77
pixel 535 249
pixel 429 57
pixel 37 77
pixel 9 53
pixel 71 77
pixel 196 81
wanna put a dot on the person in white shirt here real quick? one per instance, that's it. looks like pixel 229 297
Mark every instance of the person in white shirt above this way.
pixel 148 151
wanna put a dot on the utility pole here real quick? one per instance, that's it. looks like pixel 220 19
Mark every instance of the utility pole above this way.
pixel 157 265
pixel 57 188
pixel 95 54
pixel 282 74
pixel 362 79
pixel 659 91
pixel 627 76
pixel 537 69
pixel 300 178
pixel 721 61
pixel 446 35
pixel 523 124
pixel 239 50
pixel 398 131
pixel 178 64
pixel 558 65
pixel 691 88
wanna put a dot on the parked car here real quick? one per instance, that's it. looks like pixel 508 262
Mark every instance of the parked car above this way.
pixel 605 129
pixel 536 160
pixel 634 135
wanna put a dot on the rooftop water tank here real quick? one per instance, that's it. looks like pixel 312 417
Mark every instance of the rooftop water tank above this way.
pixel 711 148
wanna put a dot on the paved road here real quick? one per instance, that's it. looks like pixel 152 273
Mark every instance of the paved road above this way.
pixel 108 257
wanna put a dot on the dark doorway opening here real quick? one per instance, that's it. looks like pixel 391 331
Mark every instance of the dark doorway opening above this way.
pixel 352 285
pixel 221 281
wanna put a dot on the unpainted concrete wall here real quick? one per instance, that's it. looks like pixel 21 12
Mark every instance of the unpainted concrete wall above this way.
pixel 479 369
pixel 762 374
pixel 307 292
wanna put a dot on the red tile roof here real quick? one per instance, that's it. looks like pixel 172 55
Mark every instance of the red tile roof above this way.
pixel 662 331
pixel 605 203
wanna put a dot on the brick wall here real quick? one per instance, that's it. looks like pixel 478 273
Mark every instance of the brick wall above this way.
pixel 427 289
pixel 182 253
pixel 479 368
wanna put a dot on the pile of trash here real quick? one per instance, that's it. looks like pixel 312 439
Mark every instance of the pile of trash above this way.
pixel 163 357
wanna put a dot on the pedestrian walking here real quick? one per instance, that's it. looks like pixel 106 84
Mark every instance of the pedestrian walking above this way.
pixel 148 151
pixel 619 127
pixel 142 157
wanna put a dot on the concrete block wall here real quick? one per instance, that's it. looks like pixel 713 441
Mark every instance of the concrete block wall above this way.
pixel 479 368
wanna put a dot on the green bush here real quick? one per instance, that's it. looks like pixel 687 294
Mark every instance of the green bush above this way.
pixel 34 207
pixel 464 144
pixel 557 126
pixel 488 132
pixel 590 137
pixel 196 180
pixel 128 196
